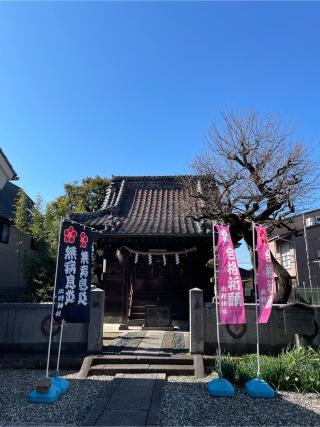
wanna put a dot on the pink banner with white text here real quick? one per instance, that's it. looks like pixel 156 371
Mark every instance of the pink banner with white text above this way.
pixel 265 279
pixel 231 302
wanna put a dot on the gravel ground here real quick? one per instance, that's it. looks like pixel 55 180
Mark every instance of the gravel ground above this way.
pixel 178 342
pixel 69 409
pixel 187 403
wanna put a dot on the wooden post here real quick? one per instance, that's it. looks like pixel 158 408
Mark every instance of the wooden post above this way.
pixel 125 288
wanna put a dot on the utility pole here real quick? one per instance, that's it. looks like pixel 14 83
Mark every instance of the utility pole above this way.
pixel 307 252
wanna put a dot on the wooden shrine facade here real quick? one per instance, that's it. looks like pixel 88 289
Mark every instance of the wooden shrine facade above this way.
pixel 150 251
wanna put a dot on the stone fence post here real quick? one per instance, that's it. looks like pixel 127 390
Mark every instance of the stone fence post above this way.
pixel 95 328
pixel 196 321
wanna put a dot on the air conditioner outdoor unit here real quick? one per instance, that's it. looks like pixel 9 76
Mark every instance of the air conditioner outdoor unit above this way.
pixel 310 221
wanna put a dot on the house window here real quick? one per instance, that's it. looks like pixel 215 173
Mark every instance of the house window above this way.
pixel 285 255
pixel 4 232
pixel 318 219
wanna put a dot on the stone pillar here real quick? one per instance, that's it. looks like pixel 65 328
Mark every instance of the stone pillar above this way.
pixel 95 327
pixel 196 321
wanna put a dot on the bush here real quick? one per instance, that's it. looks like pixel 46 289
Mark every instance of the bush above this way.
pixel 296 369
pixel 229 367
pixel 39 271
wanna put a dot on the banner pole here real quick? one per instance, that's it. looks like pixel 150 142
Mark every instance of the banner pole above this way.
pixel 216 298
pixel 59 349
pixel 218 387
pixel 256 296
pixel 53 301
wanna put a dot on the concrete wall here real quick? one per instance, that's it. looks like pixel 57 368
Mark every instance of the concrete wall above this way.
pixel 12 255
pixel 21 329
pixel 286 321
pixel 272 335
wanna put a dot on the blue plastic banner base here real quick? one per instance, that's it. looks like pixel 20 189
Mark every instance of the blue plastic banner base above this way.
pixel 220 388
pixel 259 388
pixel 51 396
pixel 61 383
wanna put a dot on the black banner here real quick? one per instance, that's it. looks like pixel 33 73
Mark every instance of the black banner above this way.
pixel 73 281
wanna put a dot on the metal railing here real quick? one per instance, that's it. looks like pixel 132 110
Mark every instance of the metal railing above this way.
pixel 307 295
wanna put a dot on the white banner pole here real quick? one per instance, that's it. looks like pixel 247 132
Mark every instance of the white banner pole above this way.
pixel 59 350
pixel 216 297
pixel 54 295
pixel 255 284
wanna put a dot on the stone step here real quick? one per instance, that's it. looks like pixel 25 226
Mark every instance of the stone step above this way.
pixel 145 353
pixel 136 322
pixel 147 368
pixel 143 359
pixel 137 315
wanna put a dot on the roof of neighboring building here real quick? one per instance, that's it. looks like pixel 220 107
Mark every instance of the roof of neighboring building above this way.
pixel 8 197
pixel 146 205
pixel 14 173
pixel 295 223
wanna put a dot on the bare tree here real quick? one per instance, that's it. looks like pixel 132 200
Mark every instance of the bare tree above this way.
pixel 253 168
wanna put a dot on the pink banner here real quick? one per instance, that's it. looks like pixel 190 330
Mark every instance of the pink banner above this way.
pixel 265 276
pixel 231 303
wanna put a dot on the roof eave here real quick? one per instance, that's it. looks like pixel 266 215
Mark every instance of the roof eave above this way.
pixel 153 234
pixel 7 167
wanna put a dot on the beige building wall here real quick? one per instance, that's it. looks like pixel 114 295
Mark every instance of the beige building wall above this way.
pixel 288 260
pixel 12 256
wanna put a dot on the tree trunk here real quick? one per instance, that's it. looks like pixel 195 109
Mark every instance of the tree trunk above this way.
pixel 284 282
pixel 284 278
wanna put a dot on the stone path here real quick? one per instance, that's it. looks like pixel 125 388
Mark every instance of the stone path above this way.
pixel 150 344
pixel 146 342
pixel 120 398
pixel 129 400
pixel 140 360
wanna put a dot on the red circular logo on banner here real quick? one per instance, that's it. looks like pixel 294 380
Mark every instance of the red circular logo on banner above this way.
pixel 70 235
pixel 83 240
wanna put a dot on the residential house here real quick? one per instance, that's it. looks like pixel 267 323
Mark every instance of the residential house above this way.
pixel 13 244
pixel 299 252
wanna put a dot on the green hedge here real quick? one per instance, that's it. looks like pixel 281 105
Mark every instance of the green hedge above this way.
pixel 297 369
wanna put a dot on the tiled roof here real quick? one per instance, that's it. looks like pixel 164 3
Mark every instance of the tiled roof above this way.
pixel 8 196
pixel 146 205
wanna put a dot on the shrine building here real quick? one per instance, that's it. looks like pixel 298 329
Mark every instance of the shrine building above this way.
pixel 149 250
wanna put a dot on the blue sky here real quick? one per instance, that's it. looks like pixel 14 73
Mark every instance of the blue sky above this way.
pixel 131 88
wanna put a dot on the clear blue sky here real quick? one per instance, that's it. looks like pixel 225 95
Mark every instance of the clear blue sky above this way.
pixel 130 88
